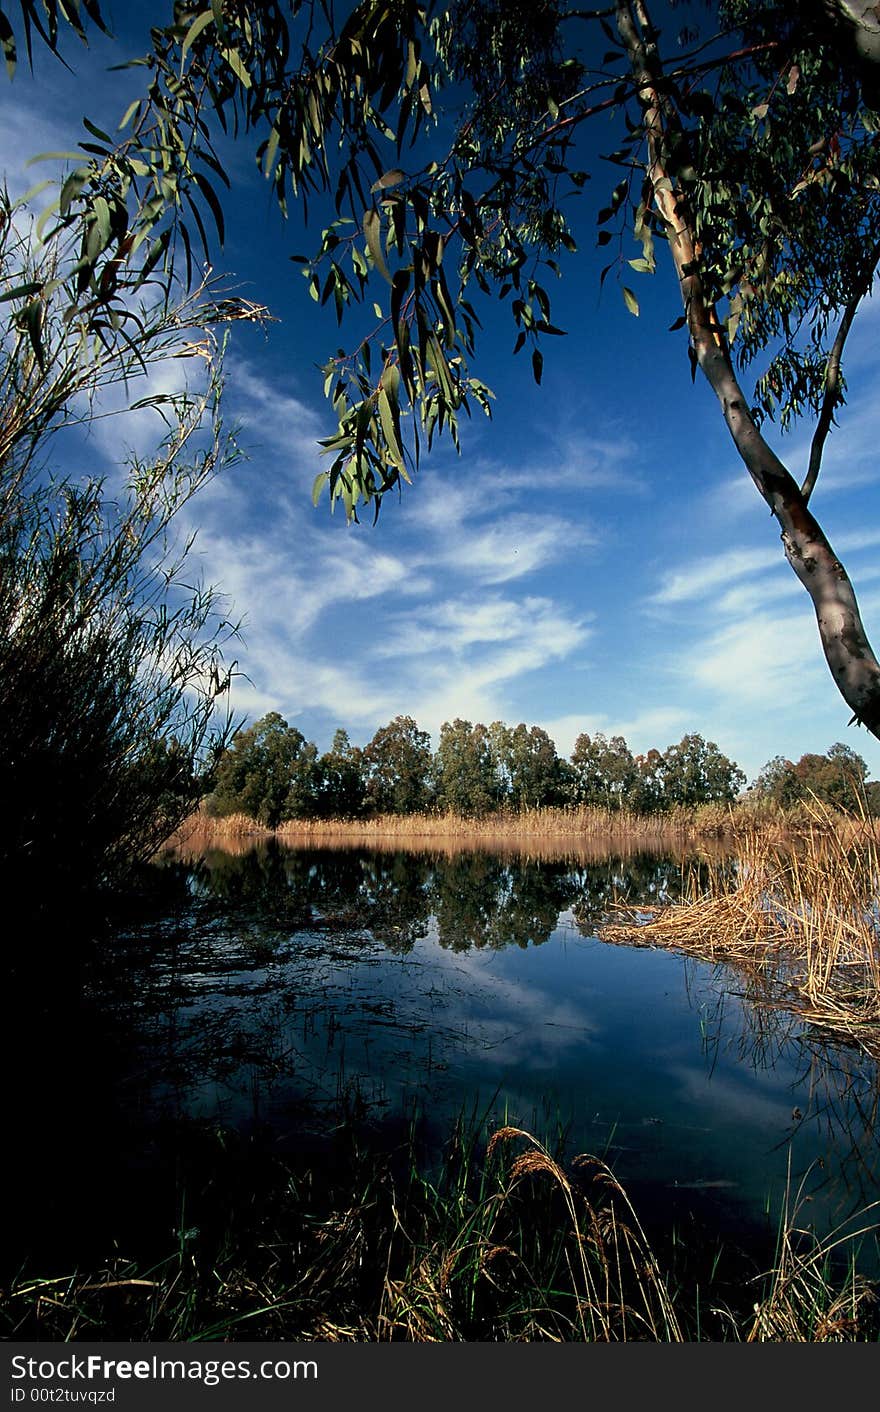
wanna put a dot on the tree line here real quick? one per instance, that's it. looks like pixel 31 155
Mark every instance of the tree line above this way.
pixel 272 773
pixel 762 187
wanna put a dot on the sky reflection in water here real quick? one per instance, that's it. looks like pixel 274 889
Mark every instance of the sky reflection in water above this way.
pixel 301 976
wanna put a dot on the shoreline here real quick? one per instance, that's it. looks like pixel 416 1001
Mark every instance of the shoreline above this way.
pixel 595 832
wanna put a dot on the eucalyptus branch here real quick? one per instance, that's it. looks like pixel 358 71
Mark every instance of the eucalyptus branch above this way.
pixel 848 652
pixel 832 395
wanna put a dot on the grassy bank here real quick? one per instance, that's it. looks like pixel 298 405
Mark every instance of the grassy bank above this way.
pixel 507 1245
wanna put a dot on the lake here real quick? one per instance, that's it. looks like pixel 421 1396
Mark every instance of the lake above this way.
pixel 278 989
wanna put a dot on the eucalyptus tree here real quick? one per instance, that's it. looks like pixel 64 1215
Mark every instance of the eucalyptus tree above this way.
pixel 269 772
pixel 646 794
pixel 604 771
pixel 465 779
pixel 837 778
pixel 751 156
pixel 397 765
pixel 696 772
pixel 528 771
pixel 342 786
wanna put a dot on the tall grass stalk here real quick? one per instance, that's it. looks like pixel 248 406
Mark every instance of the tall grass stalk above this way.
pixel 801 1299
pixel 515 1246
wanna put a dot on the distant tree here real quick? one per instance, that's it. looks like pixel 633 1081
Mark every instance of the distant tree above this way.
pixel 465 779
pixel 837 778
pixel 778 782
pixel 847 789
pixel 527 767
pixel 695 772
pixel 303 799
pixel 342 786
pixel 646 793
pixel 604 771
pixel 397 768
pixel 499 747
pixel 268 773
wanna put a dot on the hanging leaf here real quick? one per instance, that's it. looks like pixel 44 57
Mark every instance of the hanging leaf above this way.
pixel 372 231
pixel 210 196
pixel 388 179
pixel 192 34
pixel 389 428
pixel 630 300
pixel 236 63
pixel 7 39
pixel 271 151
pixel 73 185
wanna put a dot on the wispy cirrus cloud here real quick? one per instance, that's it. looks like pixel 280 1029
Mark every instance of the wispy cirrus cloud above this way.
pixel 458 673
pixel 273 419
pixel 701 576
pixel 284 588
pixel 461 627
pixel 763 659
pixel 516 545
pixel 464 531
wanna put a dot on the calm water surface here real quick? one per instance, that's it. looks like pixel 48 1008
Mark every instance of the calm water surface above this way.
pixel 283 981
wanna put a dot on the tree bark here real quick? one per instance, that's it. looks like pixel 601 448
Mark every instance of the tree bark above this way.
pixel 856 28
pixel 848 652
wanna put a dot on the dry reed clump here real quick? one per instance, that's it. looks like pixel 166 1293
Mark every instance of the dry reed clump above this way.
pixel 533 1258
pixel 488 831
pixel 801 1300
pixel 235 833
pixel 801 916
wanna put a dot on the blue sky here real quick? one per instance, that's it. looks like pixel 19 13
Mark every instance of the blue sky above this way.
pixel 596 559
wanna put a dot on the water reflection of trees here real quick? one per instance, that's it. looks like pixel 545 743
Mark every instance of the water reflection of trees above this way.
pixel 474 898
pixel 479 899
pixel 277 974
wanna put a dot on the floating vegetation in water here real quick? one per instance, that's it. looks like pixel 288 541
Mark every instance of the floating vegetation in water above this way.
pixel 800 921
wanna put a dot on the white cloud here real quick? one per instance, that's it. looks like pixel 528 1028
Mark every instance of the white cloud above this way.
pixel 748 598
pixel 699 577
pixel 464 531
pixel 455 626
pixel 856 540
pixel 764 660
pixel 463 659
pixel 516 545
pixel 284 587
pixel 580 463
pixel 272 418
pixel 27 132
